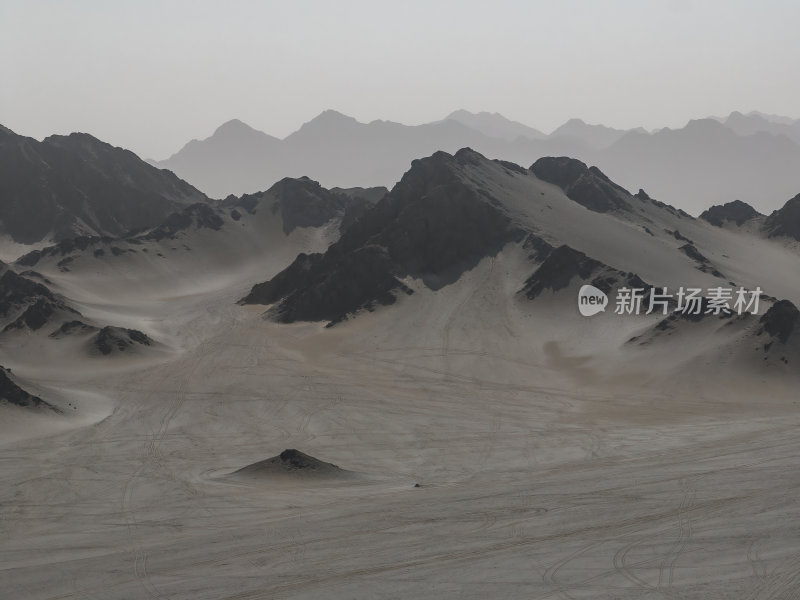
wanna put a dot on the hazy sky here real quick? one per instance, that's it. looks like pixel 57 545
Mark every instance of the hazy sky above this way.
pixel 150 75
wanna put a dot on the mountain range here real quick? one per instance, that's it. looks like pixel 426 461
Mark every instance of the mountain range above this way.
pixel 159 375
pixel 753 158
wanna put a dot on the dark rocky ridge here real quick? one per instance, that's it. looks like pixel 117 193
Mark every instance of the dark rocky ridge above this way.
pixel 301 202
pixel 587 186
pixel 372 194
pixel 73 328
pixel 431 225
pixel 565 264
pixel 27 304
pixel 68 184
pixel 785 221
pixel 13 394
pixel 735 212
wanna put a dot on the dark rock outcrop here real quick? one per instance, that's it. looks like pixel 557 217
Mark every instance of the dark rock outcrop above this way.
pixel 780 320
pixel 301 202
pixel 328 287
pixel 13 394
pixel 785 221
pixel 198 216
pixel 27 304
pixel 565 264
pixel 735 212
pixel 372 194
pixel 587 186
pixel 558 270
pixel 117 339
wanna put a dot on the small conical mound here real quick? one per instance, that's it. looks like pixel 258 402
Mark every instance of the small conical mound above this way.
pixel 292 463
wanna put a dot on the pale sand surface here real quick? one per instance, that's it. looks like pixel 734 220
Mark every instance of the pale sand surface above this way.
pixel 550 465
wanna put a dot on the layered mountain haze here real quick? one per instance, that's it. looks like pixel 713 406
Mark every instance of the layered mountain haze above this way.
pixel 755 122
pixel 234 160
pixel 706 163
pixel 594 136
pixel 709 161
pixel 495 125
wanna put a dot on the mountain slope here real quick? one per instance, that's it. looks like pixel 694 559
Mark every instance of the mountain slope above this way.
pixel 199 249
pixel 431 225
pixel 448 213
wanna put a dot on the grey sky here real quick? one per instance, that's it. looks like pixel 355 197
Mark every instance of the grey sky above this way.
pixel 150 75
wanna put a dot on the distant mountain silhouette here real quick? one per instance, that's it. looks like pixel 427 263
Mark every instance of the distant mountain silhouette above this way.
pixel 703 163
pixel 595 136
pixel 231 161
pixel 757 123
pixel 339 151
pixel 76 184
pixel 495 125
